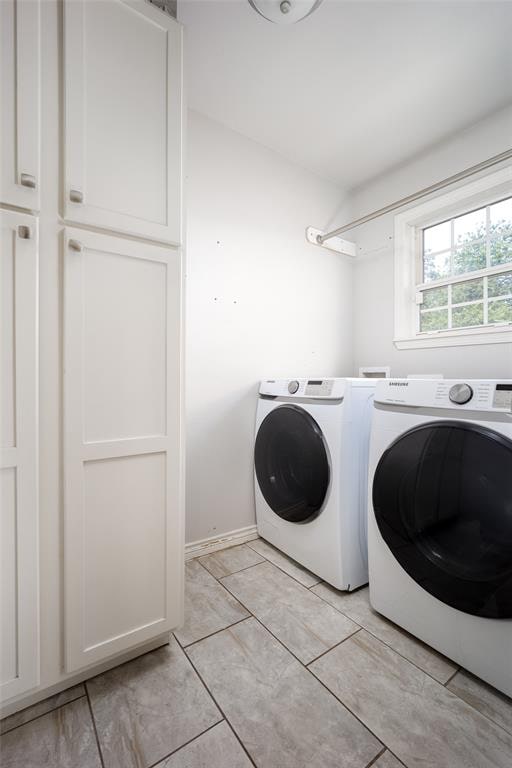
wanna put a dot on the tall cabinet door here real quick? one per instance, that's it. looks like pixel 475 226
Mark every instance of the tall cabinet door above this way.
pixel 19 597
pixel 123 94
pixel 122 444
pixel 19 102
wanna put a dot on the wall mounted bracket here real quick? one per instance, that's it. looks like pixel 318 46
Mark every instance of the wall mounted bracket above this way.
pixel 336 244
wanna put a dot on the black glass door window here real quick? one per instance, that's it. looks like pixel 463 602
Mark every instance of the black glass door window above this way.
pixel 291 462
pixel 442 495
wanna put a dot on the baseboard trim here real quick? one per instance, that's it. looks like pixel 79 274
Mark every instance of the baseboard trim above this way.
pixel 215 543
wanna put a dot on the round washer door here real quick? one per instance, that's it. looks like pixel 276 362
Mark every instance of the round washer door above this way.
pixel 442 495
pixel 291 463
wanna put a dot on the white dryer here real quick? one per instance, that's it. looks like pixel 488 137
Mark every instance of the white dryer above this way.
pixel 440 518
pixel 311 464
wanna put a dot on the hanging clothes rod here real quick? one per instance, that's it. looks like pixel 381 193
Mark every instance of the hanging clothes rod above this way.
pixel 507 155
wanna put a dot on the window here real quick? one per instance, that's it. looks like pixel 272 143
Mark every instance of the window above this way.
pixel 477 244
pixel 453 267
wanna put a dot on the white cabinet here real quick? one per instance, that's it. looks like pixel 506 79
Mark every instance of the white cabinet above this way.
pixel 19 621
pixel 91 454
pixel 122 83
pixel 19 103
pixel 122 393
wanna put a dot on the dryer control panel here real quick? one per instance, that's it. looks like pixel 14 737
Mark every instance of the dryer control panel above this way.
pixel 468 394
pixel 503 396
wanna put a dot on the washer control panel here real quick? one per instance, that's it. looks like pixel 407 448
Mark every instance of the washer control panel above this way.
pixel 318 388
pixel 322 389
pixel 472 395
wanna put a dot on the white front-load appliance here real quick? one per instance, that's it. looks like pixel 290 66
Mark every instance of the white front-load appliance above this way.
pixel 311 464
pixel 440 518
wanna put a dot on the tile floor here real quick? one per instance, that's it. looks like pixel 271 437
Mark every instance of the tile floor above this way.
pixel 271 669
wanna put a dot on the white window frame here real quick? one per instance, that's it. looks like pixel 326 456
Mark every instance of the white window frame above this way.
pixel 409 227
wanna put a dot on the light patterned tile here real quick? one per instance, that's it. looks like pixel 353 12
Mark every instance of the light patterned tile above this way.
pixel 301 620
pixel 41 708
pixel 424 724
pixel 283 716
pixel 149 707
pixel 208 606
pixel 285 563
pixel 356 606
pixel 217 748
pixel 63 738
pixel 483 697
pixel 227 561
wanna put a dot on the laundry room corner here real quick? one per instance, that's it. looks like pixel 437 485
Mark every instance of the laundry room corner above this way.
pixel 374 274
pixel 261 301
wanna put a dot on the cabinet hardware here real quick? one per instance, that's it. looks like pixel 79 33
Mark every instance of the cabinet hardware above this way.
pixel 26 180
pixel 76 196
pixel 24 232
pixel 75 245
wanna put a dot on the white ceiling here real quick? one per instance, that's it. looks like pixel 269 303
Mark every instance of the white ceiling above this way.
pixel 358 87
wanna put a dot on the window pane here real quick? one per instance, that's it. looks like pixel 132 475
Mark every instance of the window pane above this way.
pixel 501 249
pixel 501 216
pixel 500 285
pixel 472 314
pixel 500 311
pixel 471 290
pixel 469 227
pixel 469 258
pixel 437 238
pixel 435 297
pixel 436 267
pixel 434 321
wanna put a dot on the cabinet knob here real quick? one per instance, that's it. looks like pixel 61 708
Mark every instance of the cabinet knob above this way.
pixel 75 245
pixel 26 180
pixel 24 232
pixel 76 196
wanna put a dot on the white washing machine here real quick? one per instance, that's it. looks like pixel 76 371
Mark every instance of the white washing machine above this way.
pixel 311 464
pixel 440 518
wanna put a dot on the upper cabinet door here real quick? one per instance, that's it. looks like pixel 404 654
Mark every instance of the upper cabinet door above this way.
pixel 19 103
pixel 123 113
pixel 19 536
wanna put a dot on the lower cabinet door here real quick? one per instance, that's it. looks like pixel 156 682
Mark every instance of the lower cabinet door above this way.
pixel 19 535
pixel 122 444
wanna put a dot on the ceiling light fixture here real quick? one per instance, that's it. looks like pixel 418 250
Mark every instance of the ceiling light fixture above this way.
pixel 285 11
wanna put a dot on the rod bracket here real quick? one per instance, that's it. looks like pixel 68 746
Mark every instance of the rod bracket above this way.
pixel 336 244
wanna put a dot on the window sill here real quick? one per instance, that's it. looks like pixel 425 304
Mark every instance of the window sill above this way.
pixel 488 335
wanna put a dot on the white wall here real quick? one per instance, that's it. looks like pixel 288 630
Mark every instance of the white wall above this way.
pixel 261 302
pixel 374 276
